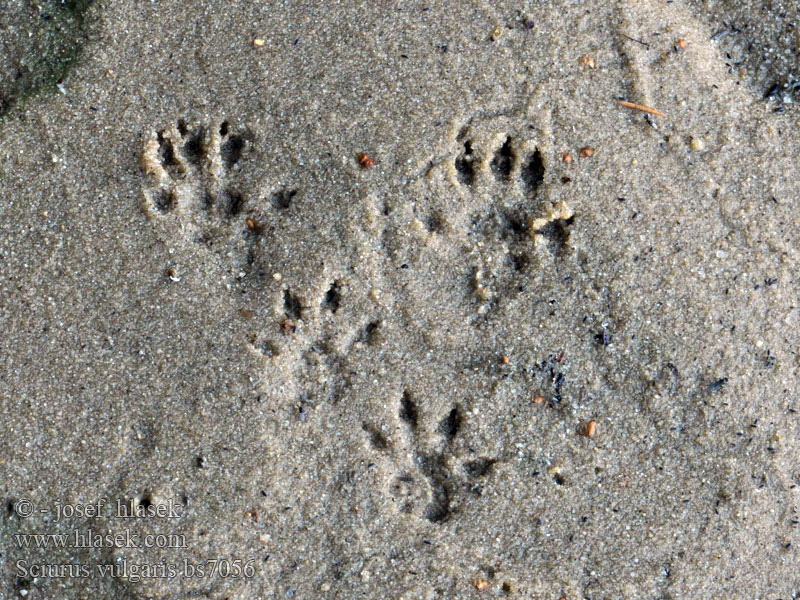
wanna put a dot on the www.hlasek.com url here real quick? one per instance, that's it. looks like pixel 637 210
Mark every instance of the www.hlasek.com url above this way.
pixel 135 572
pixel 89 538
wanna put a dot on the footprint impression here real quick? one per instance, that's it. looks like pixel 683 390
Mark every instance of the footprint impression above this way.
pixel 500 169
pixel 430 476
pixel 194 168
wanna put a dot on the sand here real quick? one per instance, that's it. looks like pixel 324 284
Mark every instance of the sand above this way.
pixel 395 300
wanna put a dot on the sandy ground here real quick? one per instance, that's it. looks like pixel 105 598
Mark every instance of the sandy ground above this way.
pixel 396 300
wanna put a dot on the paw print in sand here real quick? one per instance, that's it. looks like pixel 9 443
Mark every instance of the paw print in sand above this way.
pixel 500 169
pixel 502 160
pixel 508 161
pixel 194 171
pixel 435 482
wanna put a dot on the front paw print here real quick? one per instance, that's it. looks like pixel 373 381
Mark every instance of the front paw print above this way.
pixel 193 168
pixel 435 482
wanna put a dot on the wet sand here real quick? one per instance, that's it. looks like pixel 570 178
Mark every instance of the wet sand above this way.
pixel 357 301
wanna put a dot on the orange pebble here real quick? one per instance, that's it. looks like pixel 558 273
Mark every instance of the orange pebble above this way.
pixel 364 161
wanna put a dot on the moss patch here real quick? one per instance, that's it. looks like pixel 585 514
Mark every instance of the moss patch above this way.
pixel 41 41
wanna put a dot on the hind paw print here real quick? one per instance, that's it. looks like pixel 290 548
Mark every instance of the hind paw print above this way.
pixel 192 167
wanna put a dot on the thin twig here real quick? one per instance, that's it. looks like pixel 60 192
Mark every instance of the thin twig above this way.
pixel 635 40
pixel 646 109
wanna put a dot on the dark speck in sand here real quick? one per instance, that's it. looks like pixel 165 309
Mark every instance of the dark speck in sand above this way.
pixel 719 34
pixel 717 384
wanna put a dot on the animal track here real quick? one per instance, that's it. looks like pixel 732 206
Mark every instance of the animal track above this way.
pixel 499 167
pixel 429 486
pixel 502 160
pixel 194 169
pixel 510 161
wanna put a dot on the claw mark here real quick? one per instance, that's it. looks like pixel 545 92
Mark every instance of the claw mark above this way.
pixel 503 161
pixel 464 166
pixel 533 171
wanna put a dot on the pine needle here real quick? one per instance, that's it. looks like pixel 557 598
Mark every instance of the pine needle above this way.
pixel 646 109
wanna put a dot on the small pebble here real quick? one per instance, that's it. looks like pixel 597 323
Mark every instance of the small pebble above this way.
pixel 364 161
pixel 697 144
